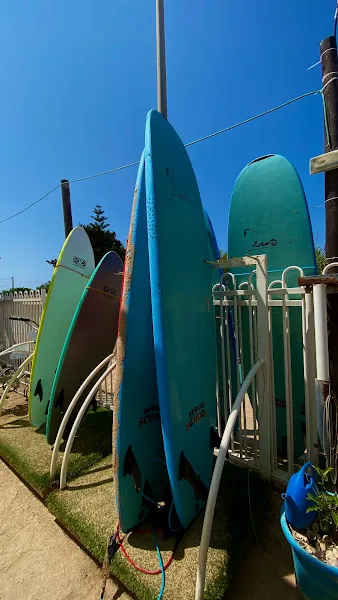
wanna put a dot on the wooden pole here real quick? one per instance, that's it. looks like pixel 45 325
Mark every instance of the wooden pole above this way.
pixel 329 63
pixel 67 207
pixel 161 64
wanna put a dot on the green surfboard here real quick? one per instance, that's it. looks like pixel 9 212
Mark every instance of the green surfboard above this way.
pixel 269 215
pixel 73 269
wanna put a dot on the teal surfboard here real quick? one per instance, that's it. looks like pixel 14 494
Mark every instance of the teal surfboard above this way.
pixel 269 215
pixel 73 269
pixel 90 338
pixel 183 319
pixel 140 473
pixel 214 254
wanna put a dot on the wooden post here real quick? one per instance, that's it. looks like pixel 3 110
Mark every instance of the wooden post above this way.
pixel 67 207
pixel 329 63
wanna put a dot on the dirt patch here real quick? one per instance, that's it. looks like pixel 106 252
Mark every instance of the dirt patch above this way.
pixel 37 559
pixel 267 571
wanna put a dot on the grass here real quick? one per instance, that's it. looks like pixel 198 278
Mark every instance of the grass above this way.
pixel 87 509
pixel 24 447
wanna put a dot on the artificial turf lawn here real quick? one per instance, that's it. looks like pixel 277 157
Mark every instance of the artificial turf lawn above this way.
pixel 87 509
pixel 24 447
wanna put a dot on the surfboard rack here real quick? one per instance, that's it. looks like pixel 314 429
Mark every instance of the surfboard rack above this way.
pixel 17 375
pixel 69 411
pixel 231 263
pixel 216 479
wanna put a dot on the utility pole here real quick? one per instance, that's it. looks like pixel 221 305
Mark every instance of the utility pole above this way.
pixel 161 63
pixel 12 278
pixel 329 64
pixel 67 207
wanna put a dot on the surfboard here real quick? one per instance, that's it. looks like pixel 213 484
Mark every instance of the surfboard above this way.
pixel 214 254
pixel 90 338
pixel 269 215
pixel 73 269
pixel 140 473
pixel 183 316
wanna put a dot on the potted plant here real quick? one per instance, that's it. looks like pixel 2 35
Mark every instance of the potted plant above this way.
pixel 315 550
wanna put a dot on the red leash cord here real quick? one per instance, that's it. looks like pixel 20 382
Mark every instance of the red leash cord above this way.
pixel 130 560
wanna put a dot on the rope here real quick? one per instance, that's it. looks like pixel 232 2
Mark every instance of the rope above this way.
pixel 89 287
pixel 330 432
pixel 70 269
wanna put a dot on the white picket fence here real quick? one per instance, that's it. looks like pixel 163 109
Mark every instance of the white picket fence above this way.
pixel 28 305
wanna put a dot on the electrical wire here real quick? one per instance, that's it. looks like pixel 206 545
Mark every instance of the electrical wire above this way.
pixel 335 21
pixel 197 141
pixel 159 556
pixel 137 567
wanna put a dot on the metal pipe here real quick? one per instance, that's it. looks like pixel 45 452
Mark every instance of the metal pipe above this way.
pixel 215 481
pixel 17 374
pixel 79 417
pixel 321 336
pixel 160 58
pixel 69 411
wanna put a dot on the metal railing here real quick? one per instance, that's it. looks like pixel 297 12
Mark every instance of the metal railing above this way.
pixel 28 305
pixel 256 304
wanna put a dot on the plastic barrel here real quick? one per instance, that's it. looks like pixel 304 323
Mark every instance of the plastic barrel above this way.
pixel 316 580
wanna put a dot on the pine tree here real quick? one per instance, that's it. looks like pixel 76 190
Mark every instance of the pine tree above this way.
pixel 99 218
pixel 102 239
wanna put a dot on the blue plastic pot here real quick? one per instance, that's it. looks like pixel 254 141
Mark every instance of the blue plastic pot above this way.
pixel 316 580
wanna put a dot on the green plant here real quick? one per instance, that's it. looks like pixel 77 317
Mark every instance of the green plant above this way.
pixel 320 260
pixel 325 504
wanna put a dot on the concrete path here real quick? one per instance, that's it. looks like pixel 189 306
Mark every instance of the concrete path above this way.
pixel 38 561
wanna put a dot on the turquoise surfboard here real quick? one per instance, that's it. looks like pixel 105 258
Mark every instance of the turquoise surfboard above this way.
pixel 269 215
pixel 73 269
pixel 140 473
pixel 183 316
pixel 90 338
pixel 214 254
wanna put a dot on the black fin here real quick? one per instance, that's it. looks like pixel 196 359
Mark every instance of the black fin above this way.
pixel 187 472
pixel 130 467
pixel 39 390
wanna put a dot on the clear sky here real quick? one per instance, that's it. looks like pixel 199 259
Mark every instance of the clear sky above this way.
pixel 78 78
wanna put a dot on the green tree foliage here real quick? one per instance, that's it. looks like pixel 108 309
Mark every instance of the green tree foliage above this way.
pixel 16 289
pixel 320 260
pixel 44 285
pixel 102 239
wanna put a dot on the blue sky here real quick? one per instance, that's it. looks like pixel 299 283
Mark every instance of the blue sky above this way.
pixel 79 77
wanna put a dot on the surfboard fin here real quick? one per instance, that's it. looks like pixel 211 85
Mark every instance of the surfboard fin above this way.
pixel 39 390
pixel 187 472
pixel 130 467
pixel 215 440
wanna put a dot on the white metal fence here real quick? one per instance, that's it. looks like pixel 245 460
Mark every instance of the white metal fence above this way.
pixel 277 426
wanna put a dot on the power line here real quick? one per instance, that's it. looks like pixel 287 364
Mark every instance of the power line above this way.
pixel 30 205
pixel 267 112
pixel 202 139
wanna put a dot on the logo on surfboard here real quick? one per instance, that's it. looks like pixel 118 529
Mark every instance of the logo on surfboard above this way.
pixel 151 413
pixel 79 262
pixel 195 415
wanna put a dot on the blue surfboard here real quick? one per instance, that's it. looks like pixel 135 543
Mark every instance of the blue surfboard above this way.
pixel 183 319
pixel 140 474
